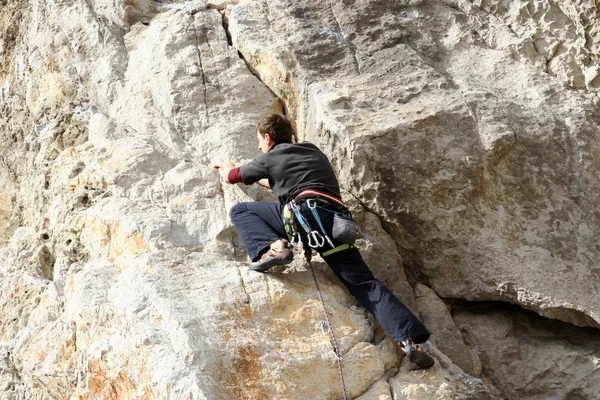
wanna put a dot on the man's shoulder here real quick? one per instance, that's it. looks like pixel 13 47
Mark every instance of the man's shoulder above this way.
pixel 293 146
pixel 307 144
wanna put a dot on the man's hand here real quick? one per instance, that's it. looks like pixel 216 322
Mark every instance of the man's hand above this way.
pixel 224 168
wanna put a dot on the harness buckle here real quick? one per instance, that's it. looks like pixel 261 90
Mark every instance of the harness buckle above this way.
pixel 292 205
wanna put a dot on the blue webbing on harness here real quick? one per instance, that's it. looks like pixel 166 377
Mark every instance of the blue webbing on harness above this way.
pixel 315 239
pixel 315 213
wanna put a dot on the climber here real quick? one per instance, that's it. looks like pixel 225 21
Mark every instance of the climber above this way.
pixel 302 179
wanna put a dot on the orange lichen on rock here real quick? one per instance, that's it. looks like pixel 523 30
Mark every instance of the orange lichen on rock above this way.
pixel 114 239
pixel 107 384
pixel 125 242
pixel 242 379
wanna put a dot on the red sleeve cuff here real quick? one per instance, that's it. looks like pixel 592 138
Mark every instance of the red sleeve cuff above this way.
pixel 234 176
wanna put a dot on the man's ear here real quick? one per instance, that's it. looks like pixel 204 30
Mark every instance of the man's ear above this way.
pixel 269 139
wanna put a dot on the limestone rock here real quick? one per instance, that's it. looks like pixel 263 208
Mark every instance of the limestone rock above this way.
pixel 528 357
pixel 124 320
pixel 443 381
pixel 465 160
pixel 379 391
pixel 46 261
pixel 531 34
pixel 445 336
pixel 438 124
pixel 144 301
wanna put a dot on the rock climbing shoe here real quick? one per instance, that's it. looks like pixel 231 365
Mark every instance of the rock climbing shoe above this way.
pixel 272 258
pixel 418 355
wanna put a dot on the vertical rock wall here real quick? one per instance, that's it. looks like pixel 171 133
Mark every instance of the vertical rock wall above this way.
pixel 464 134
pixel 441 123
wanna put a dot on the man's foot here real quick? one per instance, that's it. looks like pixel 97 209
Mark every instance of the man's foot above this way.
pixel 418 355
pixel 272 258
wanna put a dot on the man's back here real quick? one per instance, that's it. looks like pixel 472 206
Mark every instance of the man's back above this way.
pixel 292 168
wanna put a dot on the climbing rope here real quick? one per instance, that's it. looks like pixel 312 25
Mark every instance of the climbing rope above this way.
pixel 333 342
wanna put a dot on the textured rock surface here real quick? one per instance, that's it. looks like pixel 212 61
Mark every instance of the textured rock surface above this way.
pixel 464 134
pixel 122 281
pixel 528 357
pixel 443 381
pixel 446 336
pixel 449 124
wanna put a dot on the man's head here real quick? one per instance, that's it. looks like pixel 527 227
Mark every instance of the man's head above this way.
pixel 272 130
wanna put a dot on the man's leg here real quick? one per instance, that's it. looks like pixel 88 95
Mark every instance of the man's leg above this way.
pixel 399 322
pixel 260 225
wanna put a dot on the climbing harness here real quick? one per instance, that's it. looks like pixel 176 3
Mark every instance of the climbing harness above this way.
pixel 332 340
pixel 318 193
pixel 316 239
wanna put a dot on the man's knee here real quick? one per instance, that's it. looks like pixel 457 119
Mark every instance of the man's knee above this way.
pixel 350 267
pixel 354 278
pixel 238 209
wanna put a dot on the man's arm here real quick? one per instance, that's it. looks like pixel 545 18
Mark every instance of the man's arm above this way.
pixel 225 168
pixel 255 171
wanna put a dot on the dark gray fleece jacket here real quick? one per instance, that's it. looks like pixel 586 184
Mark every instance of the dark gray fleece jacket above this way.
pixel 290 169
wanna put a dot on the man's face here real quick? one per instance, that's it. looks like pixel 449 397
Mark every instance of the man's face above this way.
pixel 263 143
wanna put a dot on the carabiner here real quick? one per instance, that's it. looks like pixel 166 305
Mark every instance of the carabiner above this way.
pixel 296 240
pixel 314 241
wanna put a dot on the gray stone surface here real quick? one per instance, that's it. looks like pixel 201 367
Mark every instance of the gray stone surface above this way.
pixel 532 358
pixel 464 135
pixel 446 337
pixel 443 120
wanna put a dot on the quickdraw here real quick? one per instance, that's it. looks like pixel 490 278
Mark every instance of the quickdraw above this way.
pixel 312 205
pixel 291 213
pixel 290 228
pixel 315 239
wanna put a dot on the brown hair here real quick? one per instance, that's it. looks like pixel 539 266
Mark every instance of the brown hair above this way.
pixel 278 127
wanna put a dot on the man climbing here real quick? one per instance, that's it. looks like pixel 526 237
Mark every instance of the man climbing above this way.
pixel 303 181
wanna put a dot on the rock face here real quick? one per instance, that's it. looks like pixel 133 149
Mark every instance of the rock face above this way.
pixel 450 125
pixel 465 138
pixel 529 357
pixel 446 336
